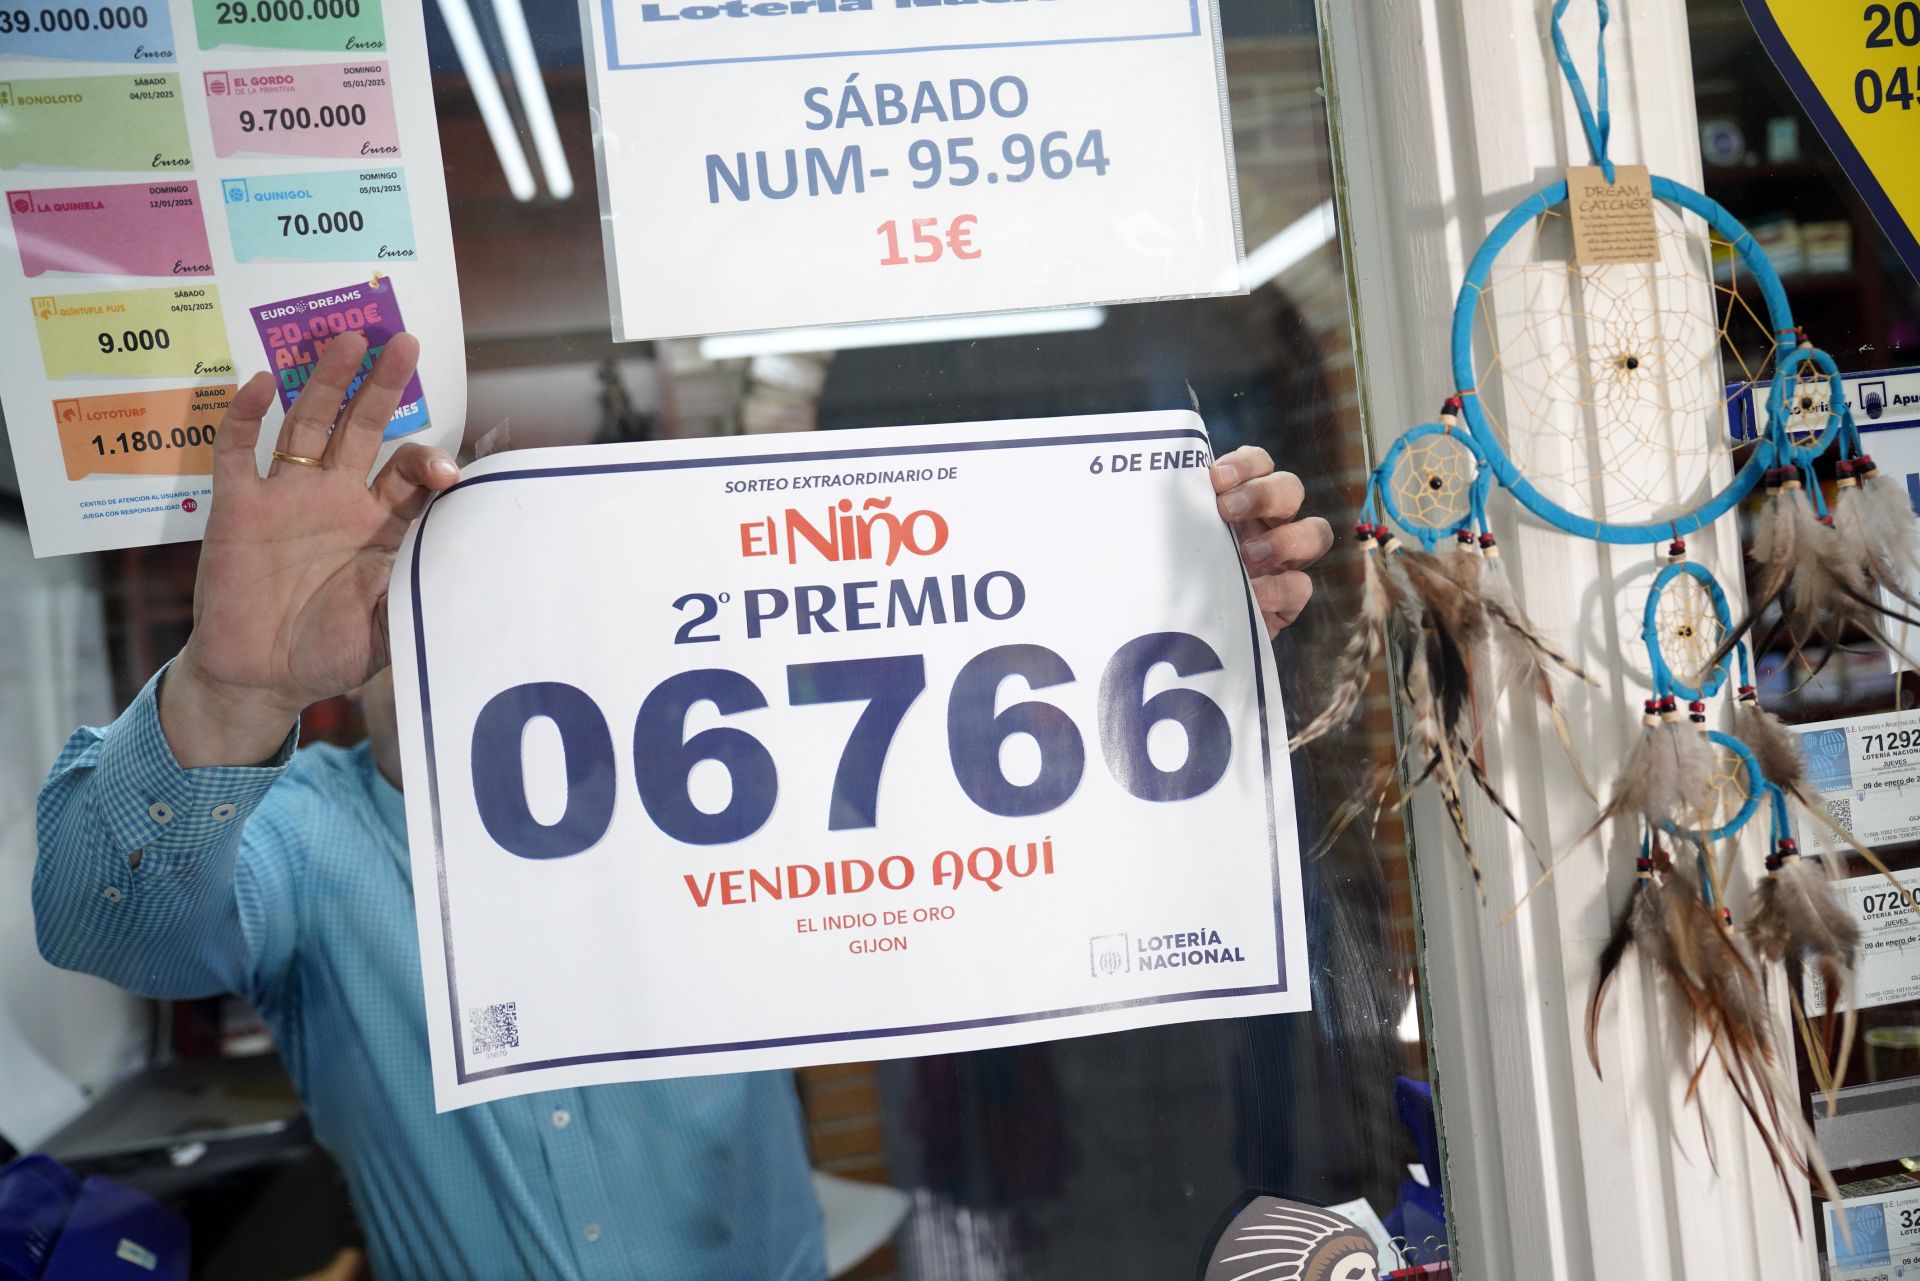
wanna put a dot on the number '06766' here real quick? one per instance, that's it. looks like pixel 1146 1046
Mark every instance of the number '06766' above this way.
pixel 665 757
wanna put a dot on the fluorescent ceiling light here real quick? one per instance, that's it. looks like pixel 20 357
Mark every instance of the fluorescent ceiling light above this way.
pixel 1304 235
pixel 487 96
pixel 1409 1029
pixel 533 97
pixel 902 333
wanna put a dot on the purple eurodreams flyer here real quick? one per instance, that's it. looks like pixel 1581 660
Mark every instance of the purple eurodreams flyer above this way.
pixel 296 330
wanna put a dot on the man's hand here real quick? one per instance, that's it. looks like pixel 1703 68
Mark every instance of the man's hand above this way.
pixel 1261 504
pixel 290 604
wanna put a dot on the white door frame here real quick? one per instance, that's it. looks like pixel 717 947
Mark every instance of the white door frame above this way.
pixel 1445 113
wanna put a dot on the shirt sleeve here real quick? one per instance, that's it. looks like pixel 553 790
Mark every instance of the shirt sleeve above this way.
pixel 161 879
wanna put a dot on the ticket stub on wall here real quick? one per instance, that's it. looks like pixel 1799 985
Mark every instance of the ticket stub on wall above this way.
pixel 196 190
pixel 875 763
pixel 812 162
pixel 1866 770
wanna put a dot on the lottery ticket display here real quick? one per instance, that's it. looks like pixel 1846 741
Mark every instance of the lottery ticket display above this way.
pixel 196 190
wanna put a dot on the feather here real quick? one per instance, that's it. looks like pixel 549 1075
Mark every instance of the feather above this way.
pixel 1624 930
pixel 1833 575
pixel 1354 668
pixel 1775 747
pixel 1636 782
pixel 1826 574
pixel 1797 914
pixel 1717 985
pixel 1818 812
pixel 1667 777
pixel 1774 551
pixel 1522 657
pixel 1893 516
pixel 1519 642
pixel 1798 919
pixel 1448 588
pixel 1764 525
pixel 1875 516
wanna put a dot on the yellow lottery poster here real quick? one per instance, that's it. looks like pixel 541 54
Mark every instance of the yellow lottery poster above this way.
pixel 1856 72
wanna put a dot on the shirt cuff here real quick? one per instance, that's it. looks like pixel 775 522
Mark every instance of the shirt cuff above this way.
pixel 144 797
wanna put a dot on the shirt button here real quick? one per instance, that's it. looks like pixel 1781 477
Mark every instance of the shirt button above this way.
pixel 562 1118
pixel 112 894
pixel 223 812
pixel 160 812
pixel 591 1232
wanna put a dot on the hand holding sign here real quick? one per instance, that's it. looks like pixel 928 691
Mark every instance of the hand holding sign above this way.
pixel 1261 504
pixel 290 603
pixel 735 754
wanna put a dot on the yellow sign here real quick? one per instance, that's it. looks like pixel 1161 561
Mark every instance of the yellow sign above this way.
pixel 1856 72
pixel 134 333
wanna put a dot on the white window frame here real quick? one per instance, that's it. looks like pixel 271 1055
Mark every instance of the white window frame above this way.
pixel 1445 113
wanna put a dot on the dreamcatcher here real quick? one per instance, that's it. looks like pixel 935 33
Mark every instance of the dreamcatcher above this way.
pixel 1596 396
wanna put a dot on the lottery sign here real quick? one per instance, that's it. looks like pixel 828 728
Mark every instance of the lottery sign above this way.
pixel 723 755
pixel 802 162
pixel 233 199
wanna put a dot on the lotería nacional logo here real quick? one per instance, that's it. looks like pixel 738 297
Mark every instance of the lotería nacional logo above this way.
pixel 1109 954
pixel 842 533
pixel 1277 1240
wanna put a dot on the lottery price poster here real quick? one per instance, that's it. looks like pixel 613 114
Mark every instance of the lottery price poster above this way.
pixel 767 164
pixel 867 759
pixel 197 190
pixel 1882 1242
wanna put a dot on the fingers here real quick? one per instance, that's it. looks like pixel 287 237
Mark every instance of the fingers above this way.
pixel 414 474
pixel 1249 462
pixel 1281 598
pixel 234 446
pixel 356 442
pixel 310 421
pixel 1276 496
pixel 1292 546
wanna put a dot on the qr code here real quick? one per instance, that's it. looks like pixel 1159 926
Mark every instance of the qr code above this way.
pixel 495 1028
pixel 1841 812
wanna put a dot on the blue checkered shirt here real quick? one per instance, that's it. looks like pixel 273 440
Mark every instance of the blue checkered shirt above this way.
pixel 290 885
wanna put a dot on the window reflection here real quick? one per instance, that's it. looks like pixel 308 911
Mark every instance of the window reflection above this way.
pixel 1108 1156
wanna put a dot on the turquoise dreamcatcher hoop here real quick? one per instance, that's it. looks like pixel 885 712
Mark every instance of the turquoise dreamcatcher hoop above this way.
pixel 1433 483
pixel 1685 620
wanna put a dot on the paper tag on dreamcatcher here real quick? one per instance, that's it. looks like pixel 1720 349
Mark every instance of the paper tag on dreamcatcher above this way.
pixel 1612 222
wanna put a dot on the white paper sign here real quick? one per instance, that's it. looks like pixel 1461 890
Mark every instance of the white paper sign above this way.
pixel 726 755
pixel 197 190
pixel 1884 1240
pixel 1866 770
pixel 813 162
